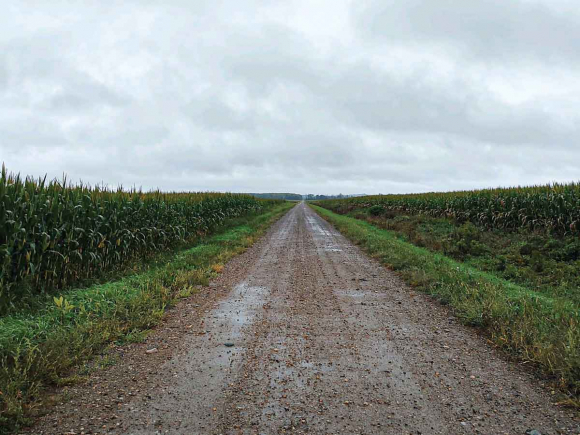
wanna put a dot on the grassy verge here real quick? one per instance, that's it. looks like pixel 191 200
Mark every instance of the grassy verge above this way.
pixel 535 327
pixel 538 260
pixel 38 347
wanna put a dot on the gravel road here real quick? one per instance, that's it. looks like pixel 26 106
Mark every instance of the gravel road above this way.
pixel 304 333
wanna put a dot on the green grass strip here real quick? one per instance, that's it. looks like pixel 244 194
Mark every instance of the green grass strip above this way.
pixel 534 327
pixel 39 346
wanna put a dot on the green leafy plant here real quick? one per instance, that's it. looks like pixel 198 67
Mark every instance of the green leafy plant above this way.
pixel 54 234
pixel 554 207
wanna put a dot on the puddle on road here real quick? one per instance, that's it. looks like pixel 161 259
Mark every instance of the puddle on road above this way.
pixel 214 359
pixel 223 338
pixel 324 238
pixel 352 293
pixel 358 297
pixel 358 293
pixel 239 310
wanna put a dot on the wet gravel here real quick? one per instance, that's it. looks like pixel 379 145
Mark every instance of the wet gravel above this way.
pixel 304 333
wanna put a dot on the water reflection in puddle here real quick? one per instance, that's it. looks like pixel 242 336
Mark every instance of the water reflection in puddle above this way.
pixel 240 309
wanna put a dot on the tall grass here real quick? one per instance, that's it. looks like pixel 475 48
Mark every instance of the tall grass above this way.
pixel 53 233
pixel 555 207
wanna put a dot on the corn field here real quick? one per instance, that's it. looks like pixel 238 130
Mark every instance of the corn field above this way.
pixel 555 207
pixel 53 234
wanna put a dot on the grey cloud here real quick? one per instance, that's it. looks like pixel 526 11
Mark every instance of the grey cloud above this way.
pixel 214 114
pixel 365 97
pixel 3 75
pixel 379 101
pixel 40 75
pixel 23 131
pixel 504 31
pixel 81 95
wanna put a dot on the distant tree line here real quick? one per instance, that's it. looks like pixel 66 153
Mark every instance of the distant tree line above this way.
pixel 285 196
pixel 299 197
pixel 311 197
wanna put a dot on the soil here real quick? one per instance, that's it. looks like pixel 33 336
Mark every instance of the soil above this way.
pixel 304 333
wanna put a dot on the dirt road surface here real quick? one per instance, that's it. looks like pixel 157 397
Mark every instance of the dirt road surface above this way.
pixel 305 334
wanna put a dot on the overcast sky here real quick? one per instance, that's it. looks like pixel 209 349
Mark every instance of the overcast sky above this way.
pixel 306 96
